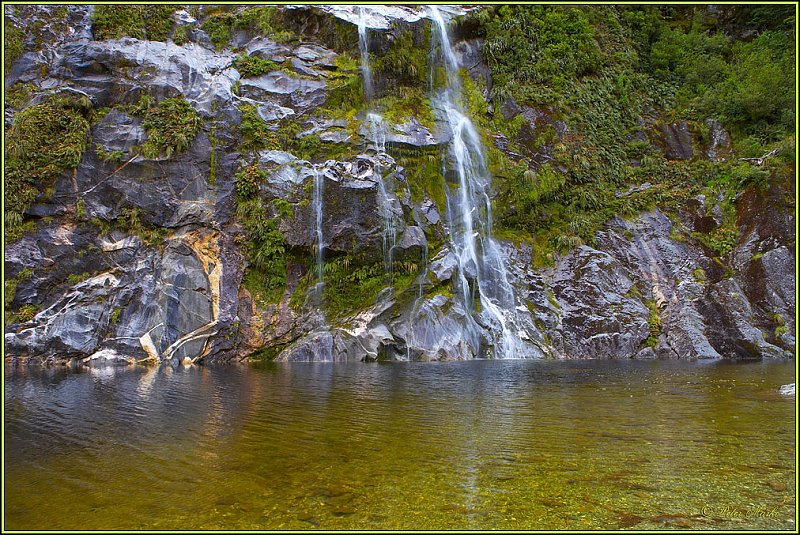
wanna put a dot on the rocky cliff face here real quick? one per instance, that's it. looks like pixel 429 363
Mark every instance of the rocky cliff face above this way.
pixel 205 250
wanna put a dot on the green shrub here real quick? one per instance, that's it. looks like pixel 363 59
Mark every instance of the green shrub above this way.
pixel 254 132
pixel 171 126
pixel 406 61
pixel 12 43
pixel 218 27
pixel 248 180
pixel 44 141
pixel 538 44
pixel 181 35
pixel 266 251
pixel 254 66
pixel 653 323
pixel 141 21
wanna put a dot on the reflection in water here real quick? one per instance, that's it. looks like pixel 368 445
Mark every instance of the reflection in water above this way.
pixel 483 444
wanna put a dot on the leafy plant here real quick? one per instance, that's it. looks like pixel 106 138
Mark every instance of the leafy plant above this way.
pixel 43 141
pixel 249 66
pixel 171 125
pixel 141 21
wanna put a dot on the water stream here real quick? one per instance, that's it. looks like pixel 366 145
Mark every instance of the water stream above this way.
pixel 378 128
pixel 482 273
pixel 318 207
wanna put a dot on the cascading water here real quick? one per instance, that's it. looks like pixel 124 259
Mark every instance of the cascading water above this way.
pixel 377 132
pixel 366 73
pixel 317 206
pixel 481 268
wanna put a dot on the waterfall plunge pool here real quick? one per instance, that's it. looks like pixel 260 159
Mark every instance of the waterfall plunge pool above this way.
pixel 480 444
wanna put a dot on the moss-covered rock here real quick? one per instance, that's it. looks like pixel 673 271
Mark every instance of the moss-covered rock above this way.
pixel 149 22
pixel 44 141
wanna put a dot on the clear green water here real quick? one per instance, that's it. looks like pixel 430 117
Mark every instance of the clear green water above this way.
pixel 484 444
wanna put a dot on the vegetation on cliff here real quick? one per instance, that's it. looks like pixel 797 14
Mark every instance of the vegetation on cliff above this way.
pixel 151 22
pixel 44 141
pixel 610 75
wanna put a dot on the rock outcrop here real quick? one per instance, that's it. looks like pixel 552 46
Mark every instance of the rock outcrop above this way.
pixel 136 258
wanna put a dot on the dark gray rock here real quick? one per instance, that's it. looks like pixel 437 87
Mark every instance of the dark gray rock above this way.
pixel 675 140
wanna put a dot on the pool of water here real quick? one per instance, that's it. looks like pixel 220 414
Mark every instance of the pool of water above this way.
pixel 483 444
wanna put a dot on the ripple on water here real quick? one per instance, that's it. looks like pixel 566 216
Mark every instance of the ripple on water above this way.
pixel 485 444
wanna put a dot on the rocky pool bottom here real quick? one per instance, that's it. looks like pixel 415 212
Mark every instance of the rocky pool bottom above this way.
pixel 454 445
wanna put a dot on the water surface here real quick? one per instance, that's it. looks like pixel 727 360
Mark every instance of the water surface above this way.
pixel 483 444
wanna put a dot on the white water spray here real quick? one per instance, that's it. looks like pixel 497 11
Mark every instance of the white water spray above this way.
pixel 377 131
pixel 317 206
pixel 481 269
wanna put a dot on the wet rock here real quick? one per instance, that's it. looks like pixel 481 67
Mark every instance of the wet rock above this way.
pixel 314 347
pixel 352 214
pixel 117 71
pixel 413 243
pixel 410 133
pixel 675 140
pixel 444 265
pixel 176 193
pixel 426 213
pixel 118 131
pixel 599 322
pixel 300 94
pixel 719 148
pixel 382 17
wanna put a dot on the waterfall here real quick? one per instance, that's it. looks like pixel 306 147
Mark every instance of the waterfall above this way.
pixel 377 129
pixel 481 268
pixel 366 73
pixel 319 242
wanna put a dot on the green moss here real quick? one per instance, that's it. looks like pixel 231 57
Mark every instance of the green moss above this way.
pixel 551 298
pixel 113 318
pixel 130 221
pixel 254 132
pixel 265 276
pixel 653 323
pixel 10 290
pixel 403 103
pixel 352 284
pixel 109 156
pixel 699 275
pixel 265 20
pixel 345 89
pixel 171 125
pixel 44 141
pixel 19 94
pixel 423 172
pixel 181 35
pixel 254 66
pixel 212 159
pixel 27 312
pixel 218 27
pixel 12 43
pixel 77 278
pixel 406 60
pixel 150 22
pixel 267 354
pixel 248 180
